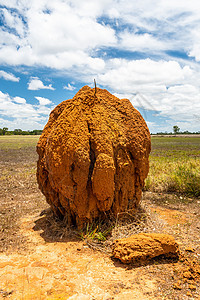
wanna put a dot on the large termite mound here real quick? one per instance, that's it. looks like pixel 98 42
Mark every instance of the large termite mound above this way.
pixel 93 156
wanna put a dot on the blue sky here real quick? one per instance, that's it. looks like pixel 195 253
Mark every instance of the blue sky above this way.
pixel 146 51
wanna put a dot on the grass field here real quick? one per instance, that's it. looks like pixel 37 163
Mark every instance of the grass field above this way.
pixel 175 165
pixel 17 141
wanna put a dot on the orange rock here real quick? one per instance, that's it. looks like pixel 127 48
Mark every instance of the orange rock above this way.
pixel 93 156
pixel 143 246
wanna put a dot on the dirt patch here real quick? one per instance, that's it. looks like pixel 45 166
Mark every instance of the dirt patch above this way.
pixel 53 270
pixel 19 194
pixel 72 270
pixel 171 216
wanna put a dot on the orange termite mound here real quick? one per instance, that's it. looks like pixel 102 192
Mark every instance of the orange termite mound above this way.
pixel 93 156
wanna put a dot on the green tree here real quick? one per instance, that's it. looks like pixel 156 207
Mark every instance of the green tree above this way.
pixel 37 132
pixel 17 131
pixel 4 130
pixel 176 129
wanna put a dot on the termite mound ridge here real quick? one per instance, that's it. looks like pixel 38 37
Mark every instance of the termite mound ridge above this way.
pixel 93 157
pixel 144 246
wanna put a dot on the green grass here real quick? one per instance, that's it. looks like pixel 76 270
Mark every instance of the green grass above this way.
pixel 175 165
pixel 95 231
pixel 17 141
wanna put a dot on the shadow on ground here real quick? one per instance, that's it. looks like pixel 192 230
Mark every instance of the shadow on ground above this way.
pixel 159 260
pixel 53 229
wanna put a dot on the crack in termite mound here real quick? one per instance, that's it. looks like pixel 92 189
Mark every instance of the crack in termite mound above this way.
pixel 93 156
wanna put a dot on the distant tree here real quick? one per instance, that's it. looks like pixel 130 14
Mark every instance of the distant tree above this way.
pixel 17 131
pixel 36 132
pixel 176 129
pixel 4 130
pixel 25 133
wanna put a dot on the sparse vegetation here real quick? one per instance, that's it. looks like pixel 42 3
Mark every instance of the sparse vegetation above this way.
pixel 175 165
pixel 95 231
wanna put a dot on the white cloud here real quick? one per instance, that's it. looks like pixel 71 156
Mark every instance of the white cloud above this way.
pixel 14 21
pixel 19 100
pixel 9 107
pixel 55 33
pixel 15 112
pixel 63 28
pixel 195 46
pixel 163 86
pixel 69 87
pixel 8 76
pixel 43 101
pixel 36 84
pixel 140 42
pixel 143 75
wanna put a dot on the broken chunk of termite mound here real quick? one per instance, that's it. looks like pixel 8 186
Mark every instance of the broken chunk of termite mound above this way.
pixel 145 246
pixel 93 157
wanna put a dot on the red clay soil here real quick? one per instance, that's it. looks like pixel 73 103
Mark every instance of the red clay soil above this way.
pixel 93 157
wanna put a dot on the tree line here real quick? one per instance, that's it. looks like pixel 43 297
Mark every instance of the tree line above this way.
pixel 175 133
pixel 5 131
pixel 176 130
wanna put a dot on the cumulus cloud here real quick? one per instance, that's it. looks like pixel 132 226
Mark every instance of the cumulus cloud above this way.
pixel 36 84
pixel 143 75
pixel 11 108
pixel 23 115
pixel 69 87
pixel 165 87
pixel 195 46
pixel 36 32
pixel 54 33
pixel 8 76
pixel 140 42
pixel 19 100
pixel 14 20
pixel 43 101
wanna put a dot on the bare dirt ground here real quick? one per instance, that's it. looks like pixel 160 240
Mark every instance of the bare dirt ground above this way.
pixel 39 259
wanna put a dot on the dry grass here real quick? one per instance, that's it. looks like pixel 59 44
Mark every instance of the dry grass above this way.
pixel 101 234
